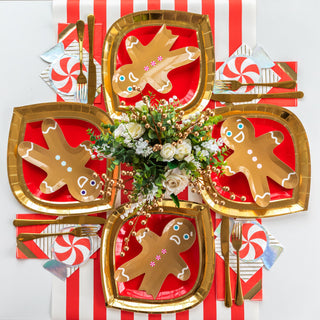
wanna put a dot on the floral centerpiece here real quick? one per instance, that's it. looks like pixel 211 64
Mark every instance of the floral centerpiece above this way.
pixel 166 151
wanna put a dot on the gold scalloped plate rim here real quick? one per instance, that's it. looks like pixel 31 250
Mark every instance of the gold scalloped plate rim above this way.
pixel 201 214
pixel 300 196
pixel 181 19
pixel 38 112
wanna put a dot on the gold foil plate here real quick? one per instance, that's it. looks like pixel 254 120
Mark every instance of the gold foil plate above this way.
pixel 38 112
pixel 202 217
pixel 187 20
pixel 300 195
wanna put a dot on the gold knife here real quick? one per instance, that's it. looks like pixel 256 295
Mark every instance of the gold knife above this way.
pixel 92 81
pixel 64 220
pixel 224 97
pixel 224 235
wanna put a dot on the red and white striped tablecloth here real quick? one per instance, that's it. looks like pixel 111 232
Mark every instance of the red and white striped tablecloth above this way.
pixel 233 22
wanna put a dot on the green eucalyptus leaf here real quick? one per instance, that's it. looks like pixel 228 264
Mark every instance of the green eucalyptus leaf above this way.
pixel 175 200
pixel 172 165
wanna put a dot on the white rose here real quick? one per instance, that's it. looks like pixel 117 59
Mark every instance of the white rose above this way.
pixel 176 181
pixel 167 152
pixel 135 130
pixel 119 131
pixel 220 142
pixel 139 105
pixel 183 149
pixel 189 158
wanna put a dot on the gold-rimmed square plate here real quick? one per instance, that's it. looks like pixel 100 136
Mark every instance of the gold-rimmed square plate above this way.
pixel 30 139
pixel 175 295
pixel 180 63
pixel 292 150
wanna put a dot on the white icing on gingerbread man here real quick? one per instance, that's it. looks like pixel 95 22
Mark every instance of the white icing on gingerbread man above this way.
pixel 63 164
pixel 254 157
pixel 151 64
pixel 160 256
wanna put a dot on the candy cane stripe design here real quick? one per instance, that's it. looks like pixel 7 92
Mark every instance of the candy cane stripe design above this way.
pixel 254 241
pixel 71 250
pixel 64 74
pixel 242 69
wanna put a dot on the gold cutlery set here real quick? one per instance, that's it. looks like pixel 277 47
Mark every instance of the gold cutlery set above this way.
pixel 85 93
pixel 86 90
pixel 236 240
pixel 84 231
pixel 232 85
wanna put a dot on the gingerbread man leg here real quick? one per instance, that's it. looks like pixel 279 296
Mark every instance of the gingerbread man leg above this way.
pixel 259 189
pixel 34 154
pixel 183 56
pixel 51 184
pixel 164 37
pixel 152 283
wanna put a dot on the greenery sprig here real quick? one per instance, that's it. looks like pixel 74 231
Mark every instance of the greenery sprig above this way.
pixel 166 150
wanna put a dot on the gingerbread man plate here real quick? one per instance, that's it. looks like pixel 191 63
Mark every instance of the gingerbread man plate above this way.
pixel 166 267
pixel 167 53
pixel 49 159
pixel 267 171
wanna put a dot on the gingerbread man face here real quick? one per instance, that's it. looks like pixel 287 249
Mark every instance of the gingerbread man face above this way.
pixel 88 186
pixel 235 130
pixel 254 157
pixel 63 164
pixel 124 79
pixel 160 256
pixel 181 232
pixel 151 64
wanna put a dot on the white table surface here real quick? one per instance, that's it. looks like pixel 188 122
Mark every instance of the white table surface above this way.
pixel 287 30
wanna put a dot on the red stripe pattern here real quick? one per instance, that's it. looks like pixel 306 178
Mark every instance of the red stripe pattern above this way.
pixel 209 305
pixel 235 25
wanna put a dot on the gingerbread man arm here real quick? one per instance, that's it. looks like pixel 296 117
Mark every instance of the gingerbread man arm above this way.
pixel 134 48
pixel 129 270
pixel 283 174
pixel 272 139
pixel 232 166
pixel 180 269
pixel 84 152
pixel 147 238
pixel 34 154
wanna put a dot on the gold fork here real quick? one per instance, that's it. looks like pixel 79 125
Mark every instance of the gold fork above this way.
pixel 84 231
pixel 82 89
pixel 235 85
pixel 236 240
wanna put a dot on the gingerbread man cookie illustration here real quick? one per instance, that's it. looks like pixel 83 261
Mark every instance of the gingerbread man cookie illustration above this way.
pixel 254 157
pixel 151 64
pixel 160 256
pixel 63 164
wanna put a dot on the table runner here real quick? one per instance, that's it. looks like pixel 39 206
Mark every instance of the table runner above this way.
pixel 233 23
